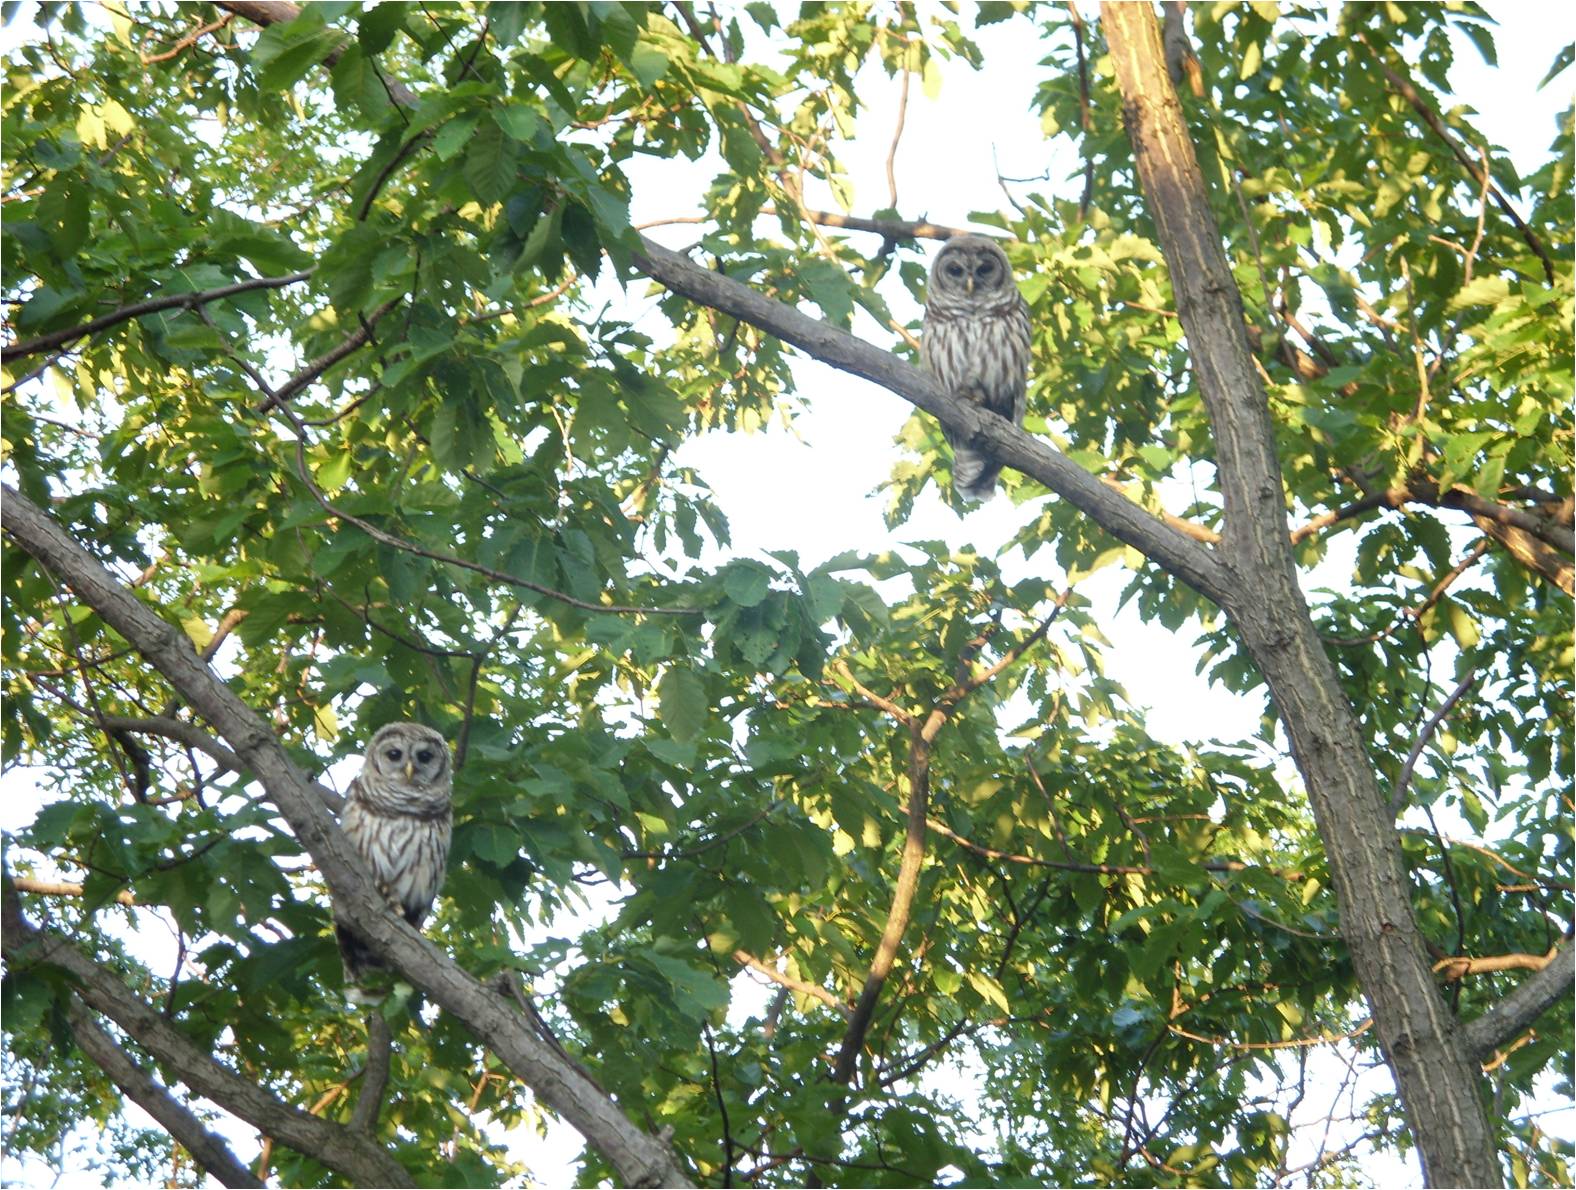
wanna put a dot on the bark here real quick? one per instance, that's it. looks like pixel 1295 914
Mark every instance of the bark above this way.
pixel 640 1159
pixel 352 1156
pixel 1422 1041
pixel 207 1149
pixel 1535 996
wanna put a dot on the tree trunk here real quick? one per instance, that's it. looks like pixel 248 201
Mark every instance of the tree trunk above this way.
pixel 1422 1041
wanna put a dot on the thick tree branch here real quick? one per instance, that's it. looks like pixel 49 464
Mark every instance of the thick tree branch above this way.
pixel 345 1153
pixel 640 1159
pixel 1519 1010
pixel 152 306
pixel 207 1149
pixel 1114 512
pixel 1422 1041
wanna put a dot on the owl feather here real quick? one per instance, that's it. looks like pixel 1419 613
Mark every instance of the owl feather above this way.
pixel 398 815
pixel 976 344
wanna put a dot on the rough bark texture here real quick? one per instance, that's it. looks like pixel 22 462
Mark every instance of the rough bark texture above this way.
pixel 207 1149
pixel 352 1156
pixel 640 1159
pixel 1422 1040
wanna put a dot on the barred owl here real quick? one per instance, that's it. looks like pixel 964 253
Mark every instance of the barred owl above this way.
pixel 976 343
pixel 399 818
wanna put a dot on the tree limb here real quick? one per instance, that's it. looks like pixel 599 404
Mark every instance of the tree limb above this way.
pixel 352 1156
pixel 639 1159
pixel 55 339
pixel 1114 512
pixel 1519 1010
pixel 1398 797
pixel 195 737
pixel 375 1075
pixel 206 1148
pixel 814 990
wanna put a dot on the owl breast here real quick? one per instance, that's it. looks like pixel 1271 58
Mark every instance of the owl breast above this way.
pixel 980 355
pixel 407 853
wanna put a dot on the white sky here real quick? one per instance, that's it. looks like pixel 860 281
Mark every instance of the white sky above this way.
pixel 809 488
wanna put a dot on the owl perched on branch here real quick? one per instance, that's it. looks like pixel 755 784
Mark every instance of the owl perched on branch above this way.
pixel 976 344
pixel 399 817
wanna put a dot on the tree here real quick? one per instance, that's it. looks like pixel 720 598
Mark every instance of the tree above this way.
pixel 303 381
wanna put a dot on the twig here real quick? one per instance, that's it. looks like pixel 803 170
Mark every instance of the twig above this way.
pixel 188 40
pixel 180 300
pixel 353 342
pixel 1398 797
pixel 1407 91
pixel 410 547
pixel 814 990
pixel 62 888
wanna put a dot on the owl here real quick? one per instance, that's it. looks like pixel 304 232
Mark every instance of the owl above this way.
pixel 976 344
pixel 398 816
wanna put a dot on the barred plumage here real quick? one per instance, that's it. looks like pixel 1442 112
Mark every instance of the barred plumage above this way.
pixel 976 343
pixel 398 816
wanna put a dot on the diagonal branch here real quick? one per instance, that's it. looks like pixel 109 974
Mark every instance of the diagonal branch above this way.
pixel 1398 797
pixel 813 990
pixel 1404 88
pixel 141 1088
pixel 1189 560
pixel 1519 1010
pixel 638 1158
pixel 195 737
pixel 352 1156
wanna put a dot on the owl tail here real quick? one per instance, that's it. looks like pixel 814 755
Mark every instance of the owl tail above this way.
pixel 974 474
pixel 362 986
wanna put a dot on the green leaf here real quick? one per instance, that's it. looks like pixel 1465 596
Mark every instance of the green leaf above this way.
pixel 682 698
pixel 747 583
pixel 1481 291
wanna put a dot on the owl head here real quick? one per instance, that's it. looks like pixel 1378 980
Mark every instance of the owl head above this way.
pixel 409 755
pixel 970 267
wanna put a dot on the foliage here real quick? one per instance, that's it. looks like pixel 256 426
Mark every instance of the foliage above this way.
pixel 474 519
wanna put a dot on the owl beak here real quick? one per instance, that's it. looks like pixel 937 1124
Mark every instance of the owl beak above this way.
pixel 968 286
pixel 410 770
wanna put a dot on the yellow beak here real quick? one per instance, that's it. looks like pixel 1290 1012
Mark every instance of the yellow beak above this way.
pixel 969 284
pixel 410 770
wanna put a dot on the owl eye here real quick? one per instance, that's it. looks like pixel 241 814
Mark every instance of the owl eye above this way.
pixel 393 754
pixel 985 269
pixel 424 756
pixel 954 269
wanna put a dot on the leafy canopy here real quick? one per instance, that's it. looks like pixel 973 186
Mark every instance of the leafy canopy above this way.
pixel 467 511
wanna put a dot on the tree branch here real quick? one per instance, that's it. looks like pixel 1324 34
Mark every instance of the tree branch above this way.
pixel 1398 797
pixel 195 737
pixel 1519 1010
pixel 55 339
pixel 207 1149
pixel 814 990
pixel 345 1153
pixel 374 1076
pixel 1114 512
pixel 639 1159
pixel 1404 88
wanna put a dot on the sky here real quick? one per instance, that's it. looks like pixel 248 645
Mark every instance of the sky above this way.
pixel 841 448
